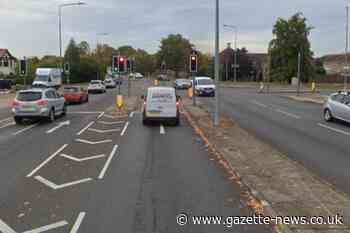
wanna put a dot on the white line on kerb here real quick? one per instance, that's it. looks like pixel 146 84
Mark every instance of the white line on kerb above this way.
pixel 288 114
pixel 47 160
pixel 78 222
pixel 109 160
pixel 334 129
pixel 7 119
pixel 162 129
pixel 85 128
pixel 25 129
pixel 48 227
pixel 125 128
pixel 259 104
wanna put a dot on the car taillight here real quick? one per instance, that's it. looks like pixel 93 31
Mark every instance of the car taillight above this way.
pixel 177 104
pixel 15 104
pixel 42 102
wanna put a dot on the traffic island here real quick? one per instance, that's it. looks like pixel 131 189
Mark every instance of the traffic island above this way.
pixel 278 185
pixel 316 99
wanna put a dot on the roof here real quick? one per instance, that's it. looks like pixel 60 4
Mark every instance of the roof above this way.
pixel 5 51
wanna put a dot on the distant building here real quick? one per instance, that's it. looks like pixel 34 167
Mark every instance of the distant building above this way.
pixel 7 63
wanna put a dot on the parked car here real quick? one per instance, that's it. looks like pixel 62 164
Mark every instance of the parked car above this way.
pixel 48 78
pixel 138 76
pixel 38 104
pixel 337 106
pixel 74 94
pixel 182 84
pixel 96 86
pixel 204 86
pixel 161 104
pixel 110 83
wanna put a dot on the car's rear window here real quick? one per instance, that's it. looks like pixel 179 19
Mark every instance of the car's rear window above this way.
pixel 162 96
pixel 71 89
pixel 29 96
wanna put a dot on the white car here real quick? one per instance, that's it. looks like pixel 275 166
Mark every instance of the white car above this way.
pixel 204 86
pixel 110 83
pixel 161 104
pixel 96 86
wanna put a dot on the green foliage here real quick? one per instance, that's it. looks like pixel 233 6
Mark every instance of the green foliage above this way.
pixel 290 38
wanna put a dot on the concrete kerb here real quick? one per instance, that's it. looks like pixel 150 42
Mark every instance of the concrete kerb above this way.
pixel 258 196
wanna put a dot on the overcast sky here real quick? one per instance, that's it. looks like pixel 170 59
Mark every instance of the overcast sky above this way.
pixel 30 27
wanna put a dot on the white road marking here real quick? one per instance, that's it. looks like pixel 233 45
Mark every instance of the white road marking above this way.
pixel 131 114
pixel 104 131
pixel 7 119
pixel 92 143
pixel 125 128
pixel 78 222
pixel 109 116
pixel 48 227
pixel 85 128
pixel 4 228
pixel 25 129
pixel 61 186
pixel 60 125
pixel 109 160
pixel 47 160
pixel 259 104
pixel 111 123
pixel 334 129
pixel 288 114
pixel 82 159
pixel 101 115
pixel 7 125
pixel 162 129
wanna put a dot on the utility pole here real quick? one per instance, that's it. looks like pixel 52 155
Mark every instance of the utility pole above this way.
pixel 299 71
pixel 346 50
pixel 217 67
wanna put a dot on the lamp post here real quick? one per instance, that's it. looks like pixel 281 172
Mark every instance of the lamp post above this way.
pixel 217 65
pixel 235 52
pixel 346 50
pixel 60 22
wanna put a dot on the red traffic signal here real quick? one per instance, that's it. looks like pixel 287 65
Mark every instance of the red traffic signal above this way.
pixel 193 63
pixel 121 64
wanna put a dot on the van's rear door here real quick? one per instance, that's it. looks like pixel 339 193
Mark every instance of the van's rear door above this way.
pixel 161 103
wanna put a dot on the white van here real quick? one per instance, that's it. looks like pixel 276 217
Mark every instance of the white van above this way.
pixel 161 104
pixel 48 78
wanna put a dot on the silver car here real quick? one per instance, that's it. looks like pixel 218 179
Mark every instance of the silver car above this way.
pixel 38 103
pixel 337 107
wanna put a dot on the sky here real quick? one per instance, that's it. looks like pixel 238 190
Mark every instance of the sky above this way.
pixel 30 27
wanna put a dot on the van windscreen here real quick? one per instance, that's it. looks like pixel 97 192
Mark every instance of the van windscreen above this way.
pixel 43 78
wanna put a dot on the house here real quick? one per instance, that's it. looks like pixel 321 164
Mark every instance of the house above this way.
pixel 7 63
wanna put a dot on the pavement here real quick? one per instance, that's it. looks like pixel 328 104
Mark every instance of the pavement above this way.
pixel 294 128
pixel 106 172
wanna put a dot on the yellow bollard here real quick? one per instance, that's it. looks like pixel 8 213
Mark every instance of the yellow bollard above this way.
pixel 262 86
pixel 156 82
pixel 119 101
pixel 313 86
pixel 190 92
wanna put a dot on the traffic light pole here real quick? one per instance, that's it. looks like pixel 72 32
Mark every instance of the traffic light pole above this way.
pixel 194 89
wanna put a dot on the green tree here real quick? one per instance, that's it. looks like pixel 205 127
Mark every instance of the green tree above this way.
pixel 72 56
pixel 174 50
pixel 84 48
pixel 290 38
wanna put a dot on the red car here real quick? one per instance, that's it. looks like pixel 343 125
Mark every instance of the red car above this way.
pixel 75 94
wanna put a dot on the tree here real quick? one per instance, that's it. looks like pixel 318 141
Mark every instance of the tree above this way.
pixel 84 48
pixel 72 56
pixel 174 50
pixel 291 38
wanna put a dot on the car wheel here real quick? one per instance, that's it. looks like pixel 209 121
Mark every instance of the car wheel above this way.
pixel 51 117
pixel 327 115
pixel 18 120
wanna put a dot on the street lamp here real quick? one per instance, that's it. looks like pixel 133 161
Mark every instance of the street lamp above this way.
pixel 346 50
pixel 235 52
pixel 60 21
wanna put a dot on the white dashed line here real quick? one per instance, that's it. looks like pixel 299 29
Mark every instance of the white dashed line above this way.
pixel 109 160
pixel 85 128
pixel 162 129
pixel 48 227
pixel 78 222
pixel 82 159
pixel 92 143
pixel 101 115
pixel 334 129
pixel 47 160
pixel 4 228
pixel 132 114
pixel 55 186
pixel 125 128
pixel 104 131
pixel 25 129
pixel 259 104
pixel 111 123
pixel 288 114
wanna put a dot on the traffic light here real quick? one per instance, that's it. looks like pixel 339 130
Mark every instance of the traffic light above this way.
pixel 128 65
pixel 66 68
pixel 115 64
pixel 193 63
pixel 23 67
pixel 163 67
pixel 121 64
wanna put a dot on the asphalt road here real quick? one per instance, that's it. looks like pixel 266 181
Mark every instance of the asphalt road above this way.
pixel 104 174
pixel 295 128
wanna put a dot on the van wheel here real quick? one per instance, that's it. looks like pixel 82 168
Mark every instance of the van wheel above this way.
pixel 51 117
pixel 18 120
